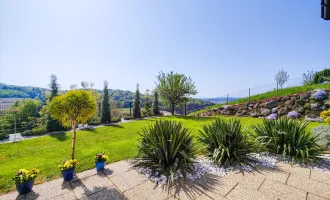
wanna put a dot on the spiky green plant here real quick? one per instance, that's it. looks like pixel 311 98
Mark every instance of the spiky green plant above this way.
pixel 227 144
pixel 166 148
pixel 288 137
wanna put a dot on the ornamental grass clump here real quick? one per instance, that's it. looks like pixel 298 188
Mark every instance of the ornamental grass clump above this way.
pixel 226 143
pixel 166 149
pixel 288 137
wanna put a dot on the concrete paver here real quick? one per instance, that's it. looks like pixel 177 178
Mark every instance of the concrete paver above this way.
pixel 310 185
pixel 119 181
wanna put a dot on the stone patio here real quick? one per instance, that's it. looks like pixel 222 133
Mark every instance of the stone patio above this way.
pixel 119 181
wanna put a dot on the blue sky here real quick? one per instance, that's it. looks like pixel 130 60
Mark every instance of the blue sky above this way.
pixel 223 45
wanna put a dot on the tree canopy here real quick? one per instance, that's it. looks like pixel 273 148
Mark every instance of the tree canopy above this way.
pixel 174 88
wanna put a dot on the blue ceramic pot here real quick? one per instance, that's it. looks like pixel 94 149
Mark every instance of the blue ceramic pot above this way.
pixel 99 165
pixel 68 174
pixel 25 187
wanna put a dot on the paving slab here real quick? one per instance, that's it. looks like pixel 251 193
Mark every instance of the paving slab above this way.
pixel 128 180
pixel 309 185
pixel 49 189
pixel 90 185
pixel 293 169
pixel 205 197
pixel 311 196
pixel 243 193
pixel 148 191
pixel 12 195
pixel 185 190
pixel 281 191
pixel 106 194
pixel 322 176
pixel 67 196
pixel 272 173
pixel 116 168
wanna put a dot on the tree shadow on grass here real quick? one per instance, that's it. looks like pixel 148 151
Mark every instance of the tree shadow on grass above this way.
pixel 114 125
pixel 60 136
pixel 194 118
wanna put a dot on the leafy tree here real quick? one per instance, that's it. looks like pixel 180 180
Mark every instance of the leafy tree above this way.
pixel 321 76
pixel 84 85
pixel 136 106
pixel 53 125
pixel 105 116
pixel 174 88
pixel 147 106
pixel 308 77
pixel 72 108
pixel 281 77
pixel 155 105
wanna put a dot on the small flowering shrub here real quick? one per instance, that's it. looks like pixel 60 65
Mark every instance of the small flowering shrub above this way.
pixel 101 157
pixel 293 114
pixel 272 116
pixel 68 164
pixel 314 105
pixel 320 94
pixel 24 175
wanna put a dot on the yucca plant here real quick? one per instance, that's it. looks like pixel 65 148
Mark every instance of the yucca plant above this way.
pixel 166 148
pixel 288 137
pixel 226 143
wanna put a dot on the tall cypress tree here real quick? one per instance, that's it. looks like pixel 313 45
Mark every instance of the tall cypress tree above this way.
pixel 105 116
pixel 155 104
pixel 52 124
pixel 137 109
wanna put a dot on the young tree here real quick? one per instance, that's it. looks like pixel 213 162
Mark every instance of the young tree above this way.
pixel 105 116
pixel 72 108
pixel 147 106
pixel 155 105
pixel 308 77
pixel 281 77
pixel 51 124
pixel 174 88
pixel 136 106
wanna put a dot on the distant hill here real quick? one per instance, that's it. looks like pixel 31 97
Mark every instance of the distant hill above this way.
pixel 123 97
pixel 220 99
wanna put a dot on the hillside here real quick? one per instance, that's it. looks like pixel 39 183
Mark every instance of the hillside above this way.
pixel 122 97
pixel 270 94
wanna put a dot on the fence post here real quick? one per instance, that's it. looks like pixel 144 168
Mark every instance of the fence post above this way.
pixel 276 89
pixel 227 98
pixel 249 94
pixel 130 108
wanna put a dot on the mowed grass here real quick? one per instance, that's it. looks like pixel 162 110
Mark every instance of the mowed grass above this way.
pixel 270 94
pixel 47 152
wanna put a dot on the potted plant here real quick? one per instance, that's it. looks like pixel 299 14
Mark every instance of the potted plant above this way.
pixel 67 168
pixel 100 160
pixel 24 180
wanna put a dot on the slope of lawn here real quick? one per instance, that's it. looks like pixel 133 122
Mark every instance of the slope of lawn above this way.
pixel 46 152
pixel 270 94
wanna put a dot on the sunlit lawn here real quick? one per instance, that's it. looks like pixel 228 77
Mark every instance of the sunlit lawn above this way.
pixel 46 152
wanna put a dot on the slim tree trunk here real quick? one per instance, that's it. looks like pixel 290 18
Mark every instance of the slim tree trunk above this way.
pixel 73 138
pixel 172 109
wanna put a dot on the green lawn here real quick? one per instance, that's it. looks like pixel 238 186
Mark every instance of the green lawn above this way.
pixel 46 152
pixel 270 94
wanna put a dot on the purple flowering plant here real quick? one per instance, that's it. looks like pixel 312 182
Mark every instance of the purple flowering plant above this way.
pixel 320 94
pixel 272 116
pixel 293 114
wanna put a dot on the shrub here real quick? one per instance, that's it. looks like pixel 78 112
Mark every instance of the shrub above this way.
pixel 324 134
pixel 288 137
pixel 293 114
pixel 227 144
pixel 115 120
pixel 272 116
pixel 320 94
pixel 24 175
pixel 167 149
pixel 27 133
pixel 128 117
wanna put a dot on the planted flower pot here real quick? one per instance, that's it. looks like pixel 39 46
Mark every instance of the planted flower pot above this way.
pixel 25 187
pixel 100 165
pixel 68 174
